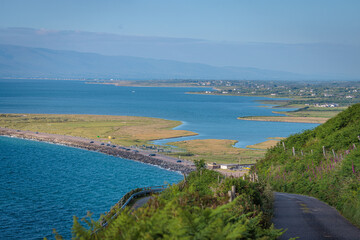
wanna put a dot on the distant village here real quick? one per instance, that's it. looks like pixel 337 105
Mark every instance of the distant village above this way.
pixel 324 105
pixel 325 94
pixel 318 94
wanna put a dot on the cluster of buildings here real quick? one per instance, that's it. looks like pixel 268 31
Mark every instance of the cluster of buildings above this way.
pixel 233 166
pixel 326 105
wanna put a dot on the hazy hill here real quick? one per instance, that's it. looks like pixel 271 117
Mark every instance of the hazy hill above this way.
pixel 334 177
pixel 16 61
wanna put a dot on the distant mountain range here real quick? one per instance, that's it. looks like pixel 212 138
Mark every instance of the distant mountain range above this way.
pixel 18 61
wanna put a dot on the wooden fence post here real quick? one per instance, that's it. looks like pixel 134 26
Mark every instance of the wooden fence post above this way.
pixel 293 150
pixel 334 153
pixel 285 147
pixel 324 152
pixel 232 194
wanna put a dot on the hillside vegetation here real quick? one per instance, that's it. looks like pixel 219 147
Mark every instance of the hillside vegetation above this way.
pixel 326 163
pixel 196 208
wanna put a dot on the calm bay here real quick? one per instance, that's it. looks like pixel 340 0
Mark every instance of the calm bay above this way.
pixel 44 185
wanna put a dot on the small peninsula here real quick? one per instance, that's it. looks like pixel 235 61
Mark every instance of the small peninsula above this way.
pixel 127 137
pixel 124 130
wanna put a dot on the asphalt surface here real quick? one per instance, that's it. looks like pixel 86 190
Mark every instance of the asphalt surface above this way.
pixel 309 218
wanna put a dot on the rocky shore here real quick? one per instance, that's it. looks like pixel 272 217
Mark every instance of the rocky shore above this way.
pixel 162 161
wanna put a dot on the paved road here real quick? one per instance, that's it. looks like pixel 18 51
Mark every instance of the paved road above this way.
pixel 309 218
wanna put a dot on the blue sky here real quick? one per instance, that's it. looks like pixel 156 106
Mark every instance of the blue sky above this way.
pixel 316 32
pixel 285 21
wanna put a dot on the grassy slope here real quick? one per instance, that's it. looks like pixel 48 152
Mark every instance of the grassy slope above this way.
pixel 125 130
pixel 334 178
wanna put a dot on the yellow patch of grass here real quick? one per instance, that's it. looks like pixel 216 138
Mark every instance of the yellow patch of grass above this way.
pixel 219 151
pixel 276 138
pixel 264 145
pixel 125 130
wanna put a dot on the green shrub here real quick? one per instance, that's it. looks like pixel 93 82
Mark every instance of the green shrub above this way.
pixel 196 208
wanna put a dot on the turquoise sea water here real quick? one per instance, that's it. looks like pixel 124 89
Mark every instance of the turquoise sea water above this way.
pixel 44 185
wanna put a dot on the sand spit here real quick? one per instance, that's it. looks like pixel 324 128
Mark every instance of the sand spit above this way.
pixel 162 161
pixel 318 120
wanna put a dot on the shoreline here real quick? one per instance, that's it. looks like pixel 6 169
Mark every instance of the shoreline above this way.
pixel 162 161
pixel 316 120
